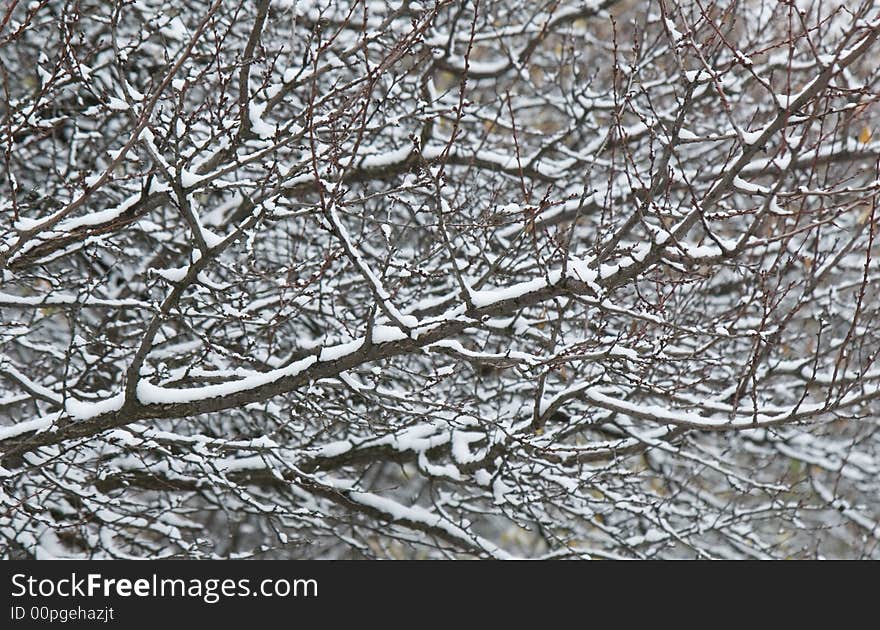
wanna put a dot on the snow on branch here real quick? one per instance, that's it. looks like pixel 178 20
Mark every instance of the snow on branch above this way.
pixel 436 279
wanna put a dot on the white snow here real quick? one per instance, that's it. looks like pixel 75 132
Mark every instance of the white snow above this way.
pixel 673 32
pixel 173 275
pixel 117 104
pixel 461 441
pixel 258 125
pixel 752 137
pixel 188 179
pixel 748 187
pixel 150 394
pixel 37 425
pixel 85 410
pixel 387 158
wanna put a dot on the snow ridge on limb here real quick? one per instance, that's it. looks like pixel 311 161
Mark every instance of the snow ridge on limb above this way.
pixel 439 279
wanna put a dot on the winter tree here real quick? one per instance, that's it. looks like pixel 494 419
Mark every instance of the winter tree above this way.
pixel 439 279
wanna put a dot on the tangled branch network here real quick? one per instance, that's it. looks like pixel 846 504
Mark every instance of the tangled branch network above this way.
pixel 439 279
